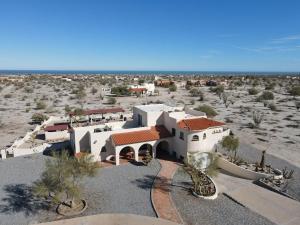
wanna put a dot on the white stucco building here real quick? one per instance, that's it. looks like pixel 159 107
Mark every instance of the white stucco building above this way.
pixel 158 128
pixel 145 88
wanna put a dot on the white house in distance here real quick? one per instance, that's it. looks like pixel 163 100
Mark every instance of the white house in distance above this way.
pixel 145 88
pixel 157 127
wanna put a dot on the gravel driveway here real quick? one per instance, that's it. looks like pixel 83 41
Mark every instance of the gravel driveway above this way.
pixel 222 211
pixel 122 189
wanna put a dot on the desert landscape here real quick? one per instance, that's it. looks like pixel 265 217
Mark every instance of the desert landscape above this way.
pixel 235 103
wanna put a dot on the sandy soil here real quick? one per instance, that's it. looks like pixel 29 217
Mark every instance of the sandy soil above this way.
pixel 279 132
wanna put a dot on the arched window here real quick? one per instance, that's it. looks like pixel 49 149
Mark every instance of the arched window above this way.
pixel 103 149
pixel 204 136
pixel 195 138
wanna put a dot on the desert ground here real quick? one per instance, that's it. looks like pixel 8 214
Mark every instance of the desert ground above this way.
pixel 278 133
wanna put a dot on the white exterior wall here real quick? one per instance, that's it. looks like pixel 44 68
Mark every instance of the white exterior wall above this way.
pixel 57 135
pixel 81 135
pixel 209 143
pixel 99 140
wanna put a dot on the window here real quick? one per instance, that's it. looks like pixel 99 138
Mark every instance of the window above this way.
pixel 181 135
pixel 173 132
pixel 195 138
pixel 204 136
pixel 97 130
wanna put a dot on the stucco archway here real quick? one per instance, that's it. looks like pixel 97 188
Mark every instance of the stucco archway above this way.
pixel 127 153
pixel 162 150
pixel 143 149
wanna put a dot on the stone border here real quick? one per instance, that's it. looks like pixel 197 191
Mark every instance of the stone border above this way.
pixel 213 197
pixel 73 213
pixel 239 171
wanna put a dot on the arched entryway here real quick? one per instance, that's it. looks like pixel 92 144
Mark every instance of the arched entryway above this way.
pixel 143 151
pixel 126 154
pixel 162 150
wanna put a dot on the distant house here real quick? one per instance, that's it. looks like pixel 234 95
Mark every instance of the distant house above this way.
pixel 157 128
pixel 211 83
pixel 146 88
pixel 163 83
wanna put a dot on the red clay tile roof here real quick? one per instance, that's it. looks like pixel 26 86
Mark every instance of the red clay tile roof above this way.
pixel 137 89
pixel 100 111
pixel 198 124
pixel 155 133
pixel 59 127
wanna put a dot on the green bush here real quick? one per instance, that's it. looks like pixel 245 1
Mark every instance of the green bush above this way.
pixel 38 118
pixel 210 112
pixel 173 88
pixel 252 91
pixel 120 90
pixel 111 101
pixel 41 105
pixel 266 95
pixel 295 91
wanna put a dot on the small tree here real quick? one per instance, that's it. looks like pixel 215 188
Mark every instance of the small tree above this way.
pixel 61 181
pixel 231 144
pixel 226 100
pixel 257 117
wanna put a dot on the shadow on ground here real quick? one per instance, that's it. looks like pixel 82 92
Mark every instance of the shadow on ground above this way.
pixel 20 198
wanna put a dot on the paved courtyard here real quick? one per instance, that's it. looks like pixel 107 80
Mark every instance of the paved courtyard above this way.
pixel 122 189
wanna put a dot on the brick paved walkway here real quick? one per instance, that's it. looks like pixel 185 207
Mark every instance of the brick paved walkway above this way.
pixel 161 196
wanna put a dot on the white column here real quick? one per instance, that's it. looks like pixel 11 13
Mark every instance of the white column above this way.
pixel 136 155
pixel 117 157
pixel 3 154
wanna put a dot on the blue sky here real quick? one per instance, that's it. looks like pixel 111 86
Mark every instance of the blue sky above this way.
pixel 211 35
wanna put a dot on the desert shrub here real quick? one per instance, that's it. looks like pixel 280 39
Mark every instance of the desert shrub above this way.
pixel 257 118
pixel 272 106
pixel 252 91
pixel 294 91
pixel 7 95
pixel 94 90
pixel 207 109
pixel 270 86
pixel 192 102
pixel 41 105
pixel 218 90
pixel 111 100
pixel 120 90
pixel 38 118
pixel 231 145
pixel 197 93
pixel 297 105
pixel 28 104
pixel 172 88
pixel 266 95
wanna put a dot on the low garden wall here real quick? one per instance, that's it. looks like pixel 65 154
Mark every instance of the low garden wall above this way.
pixel 239 171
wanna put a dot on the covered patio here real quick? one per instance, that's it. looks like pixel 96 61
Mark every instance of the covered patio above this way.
pixel 134 145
